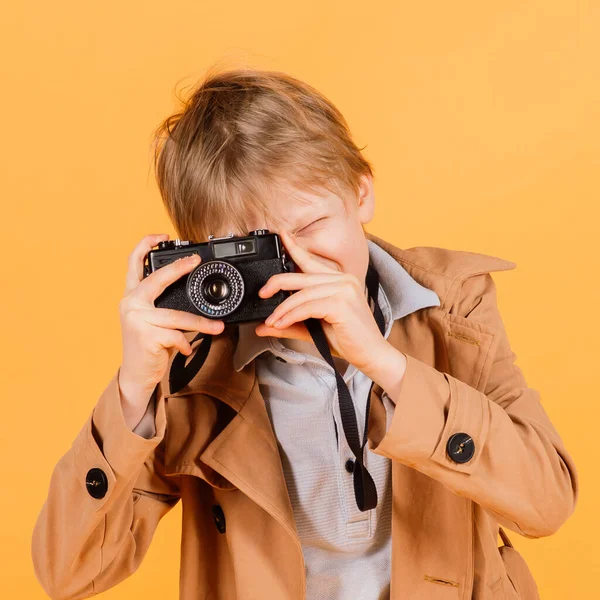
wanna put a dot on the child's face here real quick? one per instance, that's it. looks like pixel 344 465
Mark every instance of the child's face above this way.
pixel 326 228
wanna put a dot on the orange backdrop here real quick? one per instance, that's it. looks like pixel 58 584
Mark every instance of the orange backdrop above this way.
pixel 481 120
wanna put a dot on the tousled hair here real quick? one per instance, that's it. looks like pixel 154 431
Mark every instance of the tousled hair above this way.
pixel 243 135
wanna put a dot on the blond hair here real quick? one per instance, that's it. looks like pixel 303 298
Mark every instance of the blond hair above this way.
pixel 243 135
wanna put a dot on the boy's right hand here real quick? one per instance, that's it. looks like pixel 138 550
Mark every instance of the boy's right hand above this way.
pixel 148 332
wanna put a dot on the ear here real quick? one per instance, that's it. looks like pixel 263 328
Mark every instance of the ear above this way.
pixel 366 199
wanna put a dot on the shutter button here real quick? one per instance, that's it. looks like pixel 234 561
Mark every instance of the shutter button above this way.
pixel 219 518
pixel 350 465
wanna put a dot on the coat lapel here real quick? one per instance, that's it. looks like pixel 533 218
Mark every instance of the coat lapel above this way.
pixel 245 451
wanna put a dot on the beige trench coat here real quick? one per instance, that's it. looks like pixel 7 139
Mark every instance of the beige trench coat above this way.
pixel 215 450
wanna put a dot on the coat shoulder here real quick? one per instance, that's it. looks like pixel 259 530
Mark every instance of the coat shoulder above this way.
pixel 453 264
pixel 443 269
pixel 444 262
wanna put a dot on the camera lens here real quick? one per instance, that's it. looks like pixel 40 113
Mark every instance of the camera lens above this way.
pixel 215 288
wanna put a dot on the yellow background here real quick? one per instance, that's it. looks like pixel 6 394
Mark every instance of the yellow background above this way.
pixel 481 120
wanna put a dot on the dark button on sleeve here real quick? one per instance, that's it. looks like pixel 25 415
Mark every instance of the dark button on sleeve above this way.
pixel 461 447
pixel 96 483
pixel 350 465
pixel 219 518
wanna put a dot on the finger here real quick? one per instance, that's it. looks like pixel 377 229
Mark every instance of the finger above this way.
pixel 310 293
pixel 296 331
pixel 316 309
pixel 296 281
pixel 135 269
pixel 181 319
pixel 302 257
pixel 154 285
pixel 170 338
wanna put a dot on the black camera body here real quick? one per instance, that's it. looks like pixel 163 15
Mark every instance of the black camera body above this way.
pixel 224 286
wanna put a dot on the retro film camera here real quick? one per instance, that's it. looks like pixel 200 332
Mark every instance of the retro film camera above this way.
pixel 226 282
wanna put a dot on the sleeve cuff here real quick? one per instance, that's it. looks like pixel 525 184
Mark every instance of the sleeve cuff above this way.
pixel 108 444
pixel 430 407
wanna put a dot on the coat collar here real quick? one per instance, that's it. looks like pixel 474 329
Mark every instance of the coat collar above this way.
pixel 399 295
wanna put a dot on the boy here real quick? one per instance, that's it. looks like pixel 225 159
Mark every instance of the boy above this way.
pixel 254 445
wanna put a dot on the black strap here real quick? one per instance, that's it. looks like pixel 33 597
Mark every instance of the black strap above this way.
pixel 365 491
pixel 180 373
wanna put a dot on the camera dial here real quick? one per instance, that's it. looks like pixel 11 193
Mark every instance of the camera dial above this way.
pixel 171 244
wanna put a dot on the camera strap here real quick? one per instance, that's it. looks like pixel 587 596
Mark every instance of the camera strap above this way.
pixel 365 490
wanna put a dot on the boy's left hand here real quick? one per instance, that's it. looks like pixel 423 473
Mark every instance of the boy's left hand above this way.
pixel 339 299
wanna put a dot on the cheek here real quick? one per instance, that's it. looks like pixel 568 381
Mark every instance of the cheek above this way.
pixel 344 253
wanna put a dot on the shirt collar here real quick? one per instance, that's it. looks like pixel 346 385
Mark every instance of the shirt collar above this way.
pixel 399 295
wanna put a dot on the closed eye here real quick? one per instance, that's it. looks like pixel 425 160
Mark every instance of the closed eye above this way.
pixel 310 224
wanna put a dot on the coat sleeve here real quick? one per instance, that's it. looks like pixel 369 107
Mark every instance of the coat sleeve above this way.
pixel 520 470
pixel 82 545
